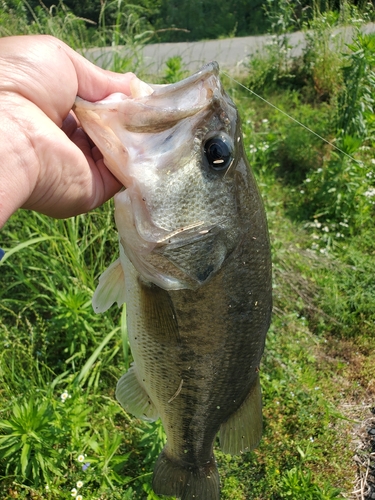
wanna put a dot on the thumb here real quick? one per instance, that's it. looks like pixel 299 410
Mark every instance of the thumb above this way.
pixel 95 83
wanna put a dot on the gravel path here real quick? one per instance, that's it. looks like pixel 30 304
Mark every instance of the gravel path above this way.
pixel 230 53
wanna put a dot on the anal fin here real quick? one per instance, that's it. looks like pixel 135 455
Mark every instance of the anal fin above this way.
pixel 243 431
pixel 133 397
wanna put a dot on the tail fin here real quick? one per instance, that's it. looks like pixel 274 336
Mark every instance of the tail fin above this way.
pixel 199 483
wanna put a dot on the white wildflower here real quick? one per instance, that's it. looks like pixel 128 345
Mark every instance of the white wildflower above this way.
pixel 369 193
pixel 79 497
pixel 81 458
pixel 73 492
pixel 64 396
pixel 79 484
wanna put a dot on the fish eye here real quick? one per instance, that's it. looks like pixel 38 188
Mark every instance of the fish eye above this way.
pixel 219 152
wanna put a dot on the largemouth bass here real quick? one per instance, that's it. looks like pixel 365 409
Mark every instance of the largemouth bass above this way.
pixel 194 270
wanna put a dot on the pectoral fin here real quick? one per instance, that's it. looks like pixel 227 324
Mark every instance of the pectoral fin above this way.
pixel 133 397
pixel 243 431
pixel 111 288
pixel 158 314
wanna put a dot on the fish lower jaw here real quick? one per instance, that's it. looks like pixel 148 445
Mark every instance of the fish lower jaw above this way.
pixel 153 274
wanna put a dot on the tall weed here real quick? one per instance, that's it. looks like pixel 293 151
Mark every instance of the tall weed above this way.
pixel 49 284
pixel 320 71
pixel 356 111
pixel 125 37
pixel 18 18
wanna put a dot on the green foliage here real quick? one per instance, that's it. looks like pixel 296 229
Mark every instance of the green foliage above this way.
pixel 272 67
pixel 174 71
pixel 317 74
pixel 171 20
pixel 348 298
pixel 298 485
pixel 75 22
pixel 283 15
pixel 331 93
pixel 121 24
pixel 68 331
pixel 337 198
pixel 46 434
pixel 118 24
pixel 356 112
pixel 206 19
pixel 320 74
pixel 18 17
pixel 153 440
pixel 26 443
pixel 106 464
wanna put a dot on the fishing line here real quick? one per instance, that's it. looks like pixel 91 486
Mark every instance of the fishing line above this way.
pixel 291 118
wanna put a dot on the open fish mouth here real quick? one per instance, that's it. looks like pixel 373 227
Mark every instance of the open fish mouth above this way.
pixel 153 142
pixel 114 123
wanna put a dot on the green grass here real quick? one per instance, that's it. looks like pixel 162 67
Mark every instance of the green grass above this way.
pixel 59 362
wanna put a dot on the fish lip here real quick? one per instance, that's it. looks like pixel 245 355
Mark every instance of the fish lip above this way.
pixel 209 69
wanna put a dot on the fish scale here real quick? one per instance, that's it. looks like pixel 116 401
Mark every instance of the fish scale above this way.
pixel 194 270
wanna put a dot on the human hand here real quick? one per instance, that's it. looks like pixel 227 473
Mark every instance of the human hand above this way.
pixel 47 163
